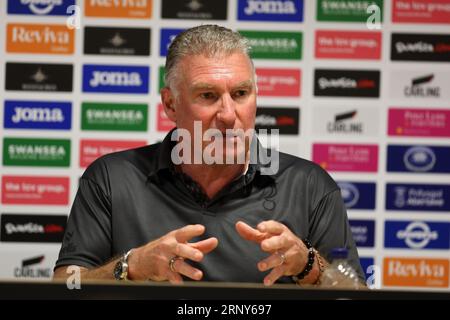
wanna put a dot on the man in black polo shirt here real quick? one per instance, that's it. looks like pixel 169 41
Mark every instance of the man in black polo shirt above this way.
pixel 156 213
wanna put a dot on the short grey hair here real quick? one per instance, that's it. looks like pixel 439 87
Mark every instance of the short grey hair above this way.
pixel 208 40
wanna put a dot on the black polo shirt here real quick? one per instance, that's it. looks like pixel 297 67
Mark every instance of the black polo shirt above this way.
pixel 129 198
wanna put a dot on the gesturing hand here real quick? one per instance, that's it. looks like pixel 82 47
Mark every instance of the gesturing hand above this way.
pixel 288 253
pixel 152 261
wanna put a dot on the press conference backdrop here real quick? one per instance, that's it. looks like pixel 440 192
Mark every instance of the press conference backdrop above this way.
pixel 371 106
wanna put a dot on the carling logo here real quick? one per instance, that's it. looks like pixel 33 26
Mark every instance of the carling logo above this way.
pixel 346 10
pixel 418 197
pixel 358 195
pixel 32 228
pixel 140 9
pixel 270 10
pixel 417 235
pixel 363 232
pixel 286 120
pixel 114 116
pixel 117 41
pixel 36 152
pixel 44 115
pixel 421 11
pixel 39 38
pixel 33 268
pixel 346 157
pixel 35 190
pixel 274 44
pixel 346 121
pixel 166 38
pixel 340 44
pixel 40 7
pixel 415 272
pixel 278 82
pixel 195 9
pixel 418 159
pixel 346 83
pixel 90 150
pixel 163 123
pixel 419 122
pixel 420 47
pixel 116 79
pixel 39 77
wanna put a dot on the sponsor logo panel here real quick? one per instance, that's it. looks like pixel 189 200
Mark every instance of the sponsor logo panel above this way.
pixel 346 83
pixel 346 157
pixel 332 44
pixel 40 7
pixel 358 195
pixel 90 150
pixel 39 77
pixel 117 41
pixel 366 262
pixel 114 116
pixel 166 38
pixel 346 121
pixel 418 197
pixel 420 85
pixel 39 38
pixel 415 272
pixel 421 11
pixel 346 10
pixel 116 79
pixel 420 47
pixel 195 9
pixel 274 45
pixel 418 159
pixel 417 235
pixel 163 123
pixel 44 115
pixel 34 190
pixel 32 228
pixel 286 120
pixel 419 122
pixel 278 82
pixel 29 264
pixel 363 232
pixel 275 10
pixel 141 9
pixel 36 152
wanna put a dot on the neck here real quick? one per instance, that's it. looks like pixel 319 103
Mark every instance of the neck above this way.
pixel 213 178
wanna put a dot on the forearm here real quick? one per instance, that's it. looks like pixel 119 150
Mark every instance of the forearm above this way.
pixel 105 272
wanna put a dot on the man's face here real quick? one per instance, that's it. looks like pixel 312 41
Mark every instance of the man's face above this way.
pixel 218 92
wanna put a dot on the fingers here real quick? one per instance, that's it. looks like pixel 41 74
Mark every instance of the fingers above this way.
pixel 185 251
pixel 274 243
pixel 181 267
pixel 205 246
pixel 273 227
pixel 272 261
pixel 188 232
pixel 174 278
pixel 249 233
pixel 274 275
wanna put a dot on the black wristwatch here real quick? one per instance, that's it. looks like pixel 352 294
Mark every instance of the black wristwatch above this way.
pixel 121 268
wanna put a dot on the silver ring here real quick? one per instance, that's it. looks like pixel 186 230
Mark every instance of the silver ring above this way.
pixel 172 263
pixel 282 256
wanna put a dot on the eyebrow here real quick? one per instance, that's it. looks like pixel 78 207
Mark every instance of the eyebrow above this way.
pixel 204 85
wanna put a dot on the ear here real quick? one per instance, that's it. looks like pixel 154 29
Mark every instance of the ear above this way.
pixel 168 101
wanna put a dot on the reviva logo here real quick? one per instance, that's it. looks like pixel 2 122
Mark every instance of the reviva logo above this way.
pixel 35 190
pixel 39 38
pixel 278 82
pixel 416 272
pixel 90 150
pixel 118 8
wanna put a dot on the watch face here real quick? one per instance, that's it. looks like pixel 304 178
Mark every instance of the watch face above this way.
pixel 118 270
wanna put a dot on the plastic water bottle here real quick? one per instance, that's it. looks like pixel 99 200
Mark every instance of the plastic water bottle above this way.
pixel 340 274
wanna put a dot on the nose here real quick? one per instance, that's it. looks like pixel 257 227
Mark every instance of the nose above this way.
pixel 227 113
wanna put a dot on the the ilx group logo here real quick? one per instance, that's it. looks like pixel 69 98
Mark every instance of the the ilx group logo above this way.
pixel 195 9
pixel 274 10
pixel 116 79
pixel 346 83
pixel 358 195
pixel 418 197
pixel 418 159
pixel 421 11
pixel 278 82
pixel 37 115
pixel 40 7
pixel 32 228
pixel 163 123
pixel 420 47
pixel 417 235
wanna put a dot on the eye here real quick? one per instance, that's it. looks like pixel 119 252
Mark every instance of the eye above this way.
pixel 240 93
pixel 207 95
